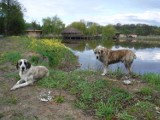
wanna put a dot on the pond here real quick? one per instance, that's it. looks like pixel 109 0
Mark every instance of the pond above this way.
pixel 147 61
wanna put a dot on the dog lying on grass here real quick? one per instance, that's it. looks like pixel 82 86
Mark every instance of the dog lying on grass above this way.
pixel 29 74
pixel 108 57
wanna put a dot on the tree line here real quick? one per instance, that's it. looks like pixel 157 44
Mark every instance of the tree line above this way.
pixel 12 23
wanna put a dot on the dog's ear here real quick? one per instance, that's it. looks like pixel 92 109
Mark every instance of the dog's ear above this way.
pixel 28 65
pixel 102 51
pixel 17 65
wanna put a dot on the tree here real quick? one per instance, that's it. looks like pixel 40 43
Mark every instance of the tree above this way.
pixel 52 25
pixel 79 25
pixel 11 17
pixel 108 32
pixel 93 28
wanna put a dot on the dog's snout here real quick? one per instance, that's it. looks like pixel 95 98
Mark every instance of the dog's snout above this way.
pixel 97 57
pixel 23 68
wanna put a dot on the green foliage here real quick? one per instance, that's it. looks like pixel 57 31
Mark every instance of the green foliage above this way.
pixel 35 59
pixel 139 29
pixel 105 110
pixel 52 25
pixel 146 91
pixel 97 95
pixel 56 52
pixel 153 79
pixel 140 111
pixel 108 32
pixel 126 116
pixel 79 25
pixel 12 57
pixel 59 99
pixel 118 73
pixel 11 20
pixel 33 25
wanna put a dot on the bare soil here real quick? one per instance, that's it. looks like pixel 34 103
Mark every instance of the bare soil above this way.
pixel 25 103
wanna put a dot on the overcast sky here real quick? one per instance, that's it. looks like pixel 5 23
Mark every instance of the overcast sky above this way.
pixel 103 12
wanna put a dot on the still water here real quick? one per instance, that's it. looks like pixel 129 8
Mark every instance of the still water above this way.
pixel 147 61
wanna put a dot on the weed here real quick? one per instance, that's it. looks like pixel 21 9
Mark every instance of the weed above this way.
pixel 118 73
pixel 59 99
pixel 35 59
pixel 126 116
pixel 146 91
pixel 81 105
pixel 12 57
pixel 105 110
pixel 141 110
pixel 153 79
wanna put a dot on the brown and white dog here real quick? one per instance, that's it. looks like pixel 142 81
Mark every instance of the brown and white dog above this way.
pixel 108 57
pixel 29 73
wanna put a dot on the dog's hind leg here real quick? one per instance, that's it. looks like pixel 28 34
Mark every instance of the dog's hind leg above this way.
pixel 22 85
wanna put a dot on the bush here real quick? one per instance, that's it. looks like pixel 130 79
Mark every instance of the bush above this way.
pixel 54 50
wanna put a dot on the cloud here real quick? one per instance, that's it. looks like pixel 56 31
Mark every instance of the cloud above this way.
pixel 103 12
pixel 147 17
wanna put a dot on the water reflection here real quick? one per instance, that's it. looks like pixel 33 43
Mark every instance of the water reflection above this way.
pixel 148 58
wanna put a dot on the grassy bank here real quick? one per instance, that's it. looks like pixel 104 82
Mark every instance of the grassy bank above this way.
pixel 103 97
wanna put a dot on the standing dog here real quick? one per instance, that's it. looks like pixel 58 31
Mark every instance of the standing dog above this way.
pixel 108 57
pixel 29 74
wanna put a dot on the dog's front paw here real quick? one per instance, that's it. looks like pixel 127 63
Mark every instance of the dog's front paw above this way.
pixel 13 88
pixel 103 74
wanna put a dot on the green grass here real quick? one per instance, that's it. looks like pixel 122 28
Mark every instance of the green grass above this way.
pixel 59 99
pixel 140 111
pixel 12 57
pixel 153 79
pixel 146 91
pixel 95 94
pixel 98 95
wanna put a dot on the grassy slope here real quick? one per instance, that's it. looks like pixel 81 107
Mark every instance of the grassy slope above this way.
pixel 101 96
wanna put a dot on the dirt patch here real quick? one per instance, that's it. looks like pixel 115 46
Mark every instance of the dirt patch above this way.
pixel 25 103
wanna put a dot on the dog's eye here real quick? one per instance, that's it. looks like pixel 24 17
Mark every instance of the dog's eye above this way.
pixel 95 52
pixel 98 52
pixel 20 63
pixel 25 63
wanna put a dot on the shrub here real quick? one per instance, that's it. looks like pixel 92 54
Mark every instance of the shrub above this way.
pixel 54 50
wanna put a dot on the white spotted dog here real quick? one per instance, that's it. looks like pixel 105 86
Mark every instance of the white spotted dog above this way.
pixel 29 73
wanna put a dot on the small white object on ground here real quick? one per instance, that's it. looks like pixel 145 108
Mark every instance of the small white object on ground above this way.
pixel 45 97
pixel 127 82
